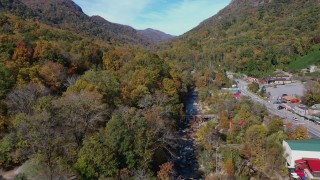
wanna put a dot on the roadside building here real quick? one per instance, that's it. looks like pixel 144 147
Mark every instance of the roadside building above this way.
pixel 252 79
pixel 314 113
pixel 298 149
pixel 308 168
pixel 301 110
pixel 289 106
pixel 277 80
pixel 314 109
pixel 315 118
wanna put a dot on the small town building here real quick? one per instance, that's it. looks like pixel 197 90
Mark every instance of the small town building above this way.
pixel 314 109
pixel 314 113
pixel 289 106
pixel 252 79
pixel 308 168
pixel 301 110
pixel 315 118
pixel 298 149
pixel 277 80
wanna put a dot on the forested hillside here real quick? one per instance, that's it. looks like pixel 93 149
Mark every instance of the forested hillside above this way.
pixel 74 105
pixel 252 36
pixel 81 97
pixel 67 15
pixel 155 35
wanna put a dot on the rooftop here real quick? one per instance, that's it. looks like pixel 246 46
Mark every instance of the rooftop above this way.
pixel 315 107
pixel 317 115
pixel 304 145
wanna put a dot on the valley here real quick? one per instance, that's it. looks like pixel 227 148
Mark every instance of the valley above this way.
pixel 85 98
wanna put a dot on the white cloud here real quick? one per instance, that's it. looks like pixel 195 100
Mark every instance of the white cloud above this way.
pixel 118 11
pixel 183 17
pixel 173 17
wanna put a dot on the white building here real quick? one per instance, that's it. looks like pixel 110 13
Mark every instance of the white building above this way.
pixel 298 149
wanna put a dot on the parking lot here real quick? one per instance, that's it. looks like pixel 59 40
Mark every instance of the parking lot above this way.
pixel 293 89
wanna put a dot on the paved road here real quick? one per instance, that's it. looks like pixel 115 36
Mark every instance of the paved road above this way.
pixel 313 129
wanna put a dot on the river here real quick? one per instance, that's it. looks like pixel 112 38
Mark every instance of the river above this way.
pixel 186 164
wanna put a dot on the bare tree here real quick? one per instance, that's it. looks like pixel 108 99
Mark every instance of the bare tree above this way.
pixel 22 99
pixel 80 113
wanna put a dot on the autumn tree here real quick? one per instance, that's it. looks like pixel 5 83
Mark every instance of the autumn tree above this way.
pixel 22 54
pixel 117 142
pixel 274 125
pixel 101 81
pixel 53 74
pixel 298 133
pixel 244 113
pixel 255 139
pixel 22 99
pixel 253 87
pixel 166 171
pixel 224 119
pixel 312 93
pixel 81 112
pixel 7 80
pixel 39 137
pixel 229 167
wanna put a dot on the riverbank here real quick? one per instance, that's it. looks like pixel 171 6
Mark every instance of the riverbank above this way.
pixel 186 163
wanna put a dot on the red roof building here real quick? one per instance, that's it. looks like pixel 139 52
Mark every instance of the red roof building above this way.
pixel 310 166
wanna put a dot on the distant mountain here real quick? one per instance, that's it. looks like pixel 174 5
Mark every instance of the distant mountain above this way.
pixel 251 36
pixel 67 15
pixel 155 35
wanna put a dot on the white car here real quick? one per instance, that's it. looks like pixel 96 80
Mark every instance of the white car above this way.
pixel 295 119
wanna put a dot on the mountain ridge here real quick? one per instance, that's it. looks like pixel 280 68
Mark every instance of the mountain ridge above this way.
pixel 254 37
pixel 155 35
pixel 68 15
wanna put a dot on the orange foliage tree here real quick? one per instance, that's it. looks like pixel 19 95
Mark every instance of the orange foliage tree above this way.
pixel 166 171
pixel 53 74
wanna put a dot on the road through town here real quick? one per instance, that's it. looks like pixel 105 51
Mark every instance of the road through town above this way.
pixel 313 129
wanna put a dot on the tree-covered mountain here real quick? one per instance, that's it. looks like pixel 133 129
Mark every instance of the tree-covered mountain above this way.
pixel 67 15
pixel 84 98
pixel 62 91
pixel 253 36
pixel 155 35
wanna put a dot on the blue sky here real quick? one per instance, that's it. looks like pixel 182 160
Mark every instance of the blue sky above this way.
pixel 170 16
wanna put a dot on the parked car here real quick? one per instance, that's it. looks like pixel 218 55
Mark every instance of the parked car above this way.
pixel 280 107
pixel 295 119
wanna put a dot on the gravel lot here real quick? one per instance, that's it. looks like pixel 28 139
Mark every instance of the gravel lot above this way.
pixel 293 89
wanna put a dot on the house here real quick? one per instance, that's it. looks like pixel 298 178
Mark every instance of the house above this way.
pixel 278 80
pixel 308 167
pixel 298 149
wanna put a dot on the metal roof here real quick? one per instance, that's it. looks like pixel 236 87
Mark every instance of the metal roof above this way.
pixel 315 107
pixel 304 145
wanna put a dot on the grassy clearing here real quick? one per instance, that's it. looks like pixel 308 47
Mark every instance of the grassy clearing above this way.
pixel 313 57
